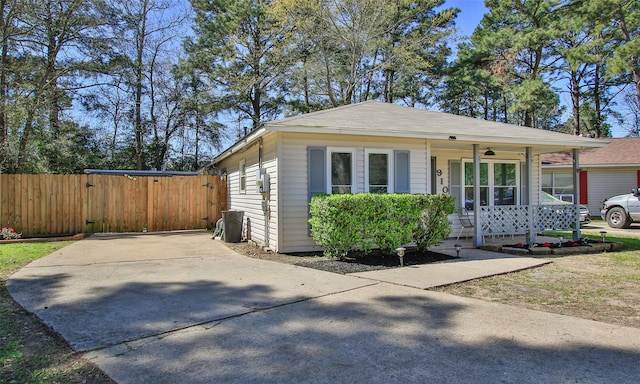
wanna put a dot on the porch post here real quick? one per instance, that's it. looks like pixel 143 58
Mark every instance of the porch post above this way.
pixel 576 194
pixel 477 234
pixel 429 167
pixel 532 232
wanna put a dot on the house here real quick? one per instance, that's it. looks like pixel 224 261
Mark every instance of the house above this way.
pixel 378 147
pixel 604 172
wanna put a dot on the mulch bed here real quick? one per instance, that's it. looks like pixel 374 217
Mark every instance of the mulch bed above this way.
pixel 360 262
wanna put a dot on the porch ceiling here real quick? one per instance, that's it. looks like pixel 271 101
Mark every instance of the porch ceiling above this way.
pixel 497 147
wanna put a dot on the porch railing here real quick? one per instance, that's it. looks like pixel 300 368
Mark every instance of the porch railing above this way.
pixel 515 219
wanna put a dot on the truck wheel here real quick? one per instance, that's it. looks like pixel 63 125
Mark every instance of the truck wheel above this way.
pixel 617 218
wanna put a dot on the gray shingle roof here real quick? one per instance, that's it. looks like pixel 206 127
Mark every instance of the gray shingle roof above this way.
pixel 445 130
pixel 374 118
pixel 620 151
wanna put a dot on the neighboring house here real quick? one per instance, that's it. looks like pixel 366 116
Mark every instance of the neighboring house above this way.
pixel 604 172
pixel 381 147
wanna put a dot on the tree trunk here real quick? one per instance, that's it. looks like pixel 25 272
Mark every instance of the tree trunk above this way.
pixel 389 75
pixel 597 124
pixel 139 76
pixel 575 102
pixel 4 62
pixel 26 133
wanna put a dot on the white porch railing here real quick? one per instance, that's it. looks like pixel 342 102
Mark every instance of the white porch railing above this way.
pixel 514 219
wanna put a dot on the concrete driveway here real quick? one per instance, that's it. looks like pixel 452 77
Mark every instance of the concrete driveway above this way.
pixel 593 229
pixel 180 307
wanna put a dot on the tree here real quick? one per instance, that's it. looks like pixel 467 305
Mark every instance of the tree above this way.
pixel 413 48
pixel 239 47
pixel 620 22
pixel 61 39
pixel 516 35
pixel 631 120
pixel 10 30
pixel 149 26
pixel 355 50
pixel 471 89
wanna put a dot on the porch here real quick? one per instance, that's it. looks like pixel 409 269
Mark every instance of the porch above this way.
pixel 528 220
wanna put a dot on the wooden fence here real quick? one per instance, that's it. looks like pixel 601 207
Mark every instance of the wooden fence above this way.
pixel 64 204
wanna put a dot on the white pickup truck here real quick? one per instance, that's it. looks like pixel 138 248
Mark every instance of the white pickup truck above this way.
pixel 622 210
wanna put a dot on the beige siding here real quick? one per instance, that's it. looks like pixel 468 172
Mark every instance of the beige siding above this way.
pixel 285 158
pixel 442 163
pixel 606 182
pixel 251 201
pixel 293 178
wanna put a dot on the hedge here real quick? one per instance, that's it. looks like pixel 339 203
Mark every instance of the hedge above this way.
pixel 361 222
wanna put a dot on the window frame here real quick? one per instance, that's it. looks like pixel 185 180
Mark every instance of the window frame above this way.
pixel 390 167
pixel 490 179
pixel 242 176
pixel 330 152
pixel 562 192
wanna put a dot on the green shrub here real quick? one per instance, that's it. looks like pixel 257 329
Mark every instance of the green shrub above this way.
pixel 342 223
pixel 434 221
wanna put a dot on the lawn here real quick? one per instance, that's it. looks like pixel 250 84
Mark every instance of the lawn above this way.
pixel 603 287
pixel 30 352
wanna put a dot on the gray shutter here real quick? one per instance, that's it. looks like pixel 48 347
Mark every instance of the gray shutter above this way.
pixel 455 177
pixel 316 173
pixel 401 172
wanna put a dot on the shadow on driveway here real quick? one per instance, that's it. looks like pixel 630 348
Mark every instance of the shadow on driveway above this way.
pixel 167 309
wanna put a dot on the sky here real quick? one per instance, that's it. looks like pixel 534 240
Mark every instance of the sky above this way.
pixel 471 12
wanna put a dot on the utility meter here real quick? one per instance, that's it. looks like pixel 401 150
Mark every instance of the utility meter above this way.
pixel 262 181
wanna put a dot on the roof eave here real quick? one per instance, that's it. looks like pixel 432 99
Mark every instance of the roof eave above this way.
pixel 581 143
pixel 239 145
pixel 625 165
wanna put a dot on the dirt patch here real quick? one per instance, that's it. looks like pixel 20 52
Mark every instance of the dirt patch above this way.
pixel 602 287
pixel 33 353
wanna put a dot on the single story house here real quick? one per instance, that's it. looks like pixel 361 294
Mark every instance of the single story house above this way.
pixel 372 146
pixel 604 172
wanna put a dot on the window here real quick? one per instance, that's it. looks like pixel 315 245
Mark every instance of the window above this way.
pixel 498 183
pixel 558 184
pixel 243 176
pixel 333 170
pixel 378 171
pixel 504 183
pixel 341 170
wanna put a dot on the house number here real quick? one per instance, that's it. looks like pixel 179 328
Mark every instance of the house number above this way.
pixel 439 172
pixel 445 189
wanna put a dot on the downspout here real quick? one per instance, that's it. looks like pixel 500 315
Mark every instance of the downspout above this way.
pixel 477 236
pixel 576 194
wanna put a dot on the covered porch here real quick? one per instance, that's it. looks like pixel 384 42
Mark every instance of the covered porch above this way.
pixel 508 190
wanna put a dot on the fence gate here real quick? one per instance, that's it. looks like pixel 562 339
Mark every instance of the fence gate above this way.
pixel 63 204
pixel 152 203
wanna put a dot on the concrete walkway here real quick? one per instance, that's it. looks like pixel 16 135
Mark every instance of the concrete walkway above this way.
pixel 472 263
pixel 179 307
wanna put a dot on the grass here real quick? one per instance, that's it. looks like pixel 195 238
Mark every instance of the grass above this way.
pixel 14 256
pixel 603 287
pixel 29 351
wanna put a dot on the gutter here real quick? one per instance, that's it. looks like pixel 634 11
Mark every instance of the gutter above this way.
pixel 239 145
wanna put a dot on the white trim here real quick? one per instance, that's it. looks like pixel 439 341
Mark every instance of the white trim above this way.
pixel 352 151
pixel 490 178
pixel 586 166
pixel 375 151
pixel 242 176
